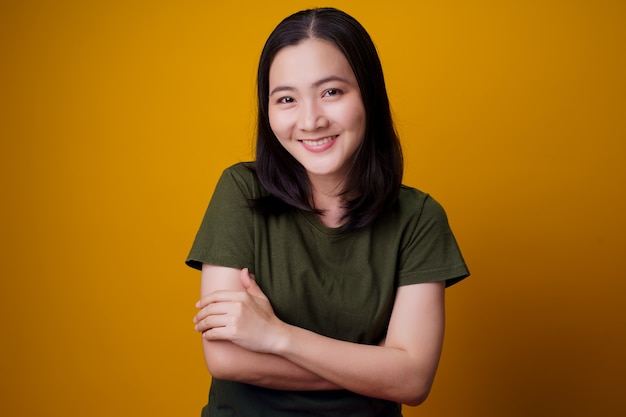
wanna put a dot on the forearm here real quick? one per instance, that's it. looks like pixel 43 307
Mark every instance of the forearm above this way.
pixel 376 371
pixel 227 361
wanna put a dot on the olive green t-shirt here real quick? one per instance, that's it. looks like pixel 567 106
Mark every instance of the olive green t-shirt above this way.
pixel 338 284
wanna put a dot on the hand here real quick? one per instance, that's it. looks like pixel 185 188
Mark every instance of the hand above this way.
pixel 245 318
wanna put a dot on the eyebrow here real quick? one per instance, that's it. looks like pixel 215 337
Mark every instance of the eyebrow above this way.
pixel 314 85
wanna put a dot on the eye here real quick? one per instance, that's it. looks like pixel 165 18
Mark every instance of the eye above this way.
pixel 332 92
pixel 286 100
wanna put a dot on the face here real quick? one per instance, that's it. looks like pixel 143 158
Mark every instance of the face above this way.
pixel 315 108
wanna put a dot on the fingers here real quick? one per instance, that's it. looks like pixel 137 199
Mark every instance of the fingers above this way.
pixel 216 315
pixel 211 309
pixel 215 308
pixel 211 322
pixel 219 296
pixel 217 304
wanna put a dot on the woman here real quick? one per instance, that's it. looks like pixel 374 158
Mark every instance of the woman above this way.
pixel 322 276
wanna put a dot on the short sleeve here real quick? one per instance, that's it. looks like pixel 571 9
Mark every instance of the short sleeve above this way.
pixel 429 249
pixel 226 234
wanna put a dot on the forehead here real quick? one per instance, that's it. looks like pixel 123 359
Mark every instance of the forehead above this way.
pixel 307 62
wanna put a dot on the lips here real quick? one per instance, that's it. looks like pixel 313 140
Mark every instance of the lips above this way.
pixel 318 145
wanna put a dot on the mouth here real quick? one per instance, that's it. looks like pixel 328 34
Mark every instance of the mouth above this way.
pixel 318 142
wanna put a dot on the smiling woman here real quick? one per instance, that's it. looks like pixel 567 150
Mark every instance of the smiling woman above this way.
pixel 317 114
pixel 323 276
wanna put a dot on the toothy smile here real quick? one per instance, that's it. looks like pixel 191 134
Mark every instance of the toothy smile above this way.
pixel 318 142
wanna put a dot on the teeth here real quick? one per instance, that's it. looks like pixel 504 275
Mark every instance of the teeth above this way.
pixel 319 142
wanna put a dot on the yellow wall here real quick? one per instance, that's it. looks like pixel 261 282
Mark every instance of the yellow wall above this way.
pixel 116 118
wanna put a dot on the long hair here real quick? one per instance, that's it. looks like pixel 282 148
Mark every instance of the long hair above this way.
pixel 375 176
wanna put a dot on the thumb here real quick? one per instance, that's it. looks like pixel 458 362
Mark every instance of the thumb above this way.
pixel 249 283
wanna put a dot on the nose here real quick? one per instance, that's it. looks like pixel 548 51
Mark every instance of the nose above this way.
pixel 311 116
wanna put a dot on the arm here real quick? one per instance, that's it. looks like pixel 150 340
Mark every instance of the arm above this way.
pixel 401 370
pixel 226 360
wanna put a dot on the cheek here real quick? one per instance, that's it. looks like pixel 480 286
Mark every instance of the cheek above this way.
pixel 353 115
pixel 277 124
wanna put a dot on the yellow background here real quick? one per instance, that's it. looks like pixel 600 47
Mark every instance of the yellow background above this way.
pixel 117 117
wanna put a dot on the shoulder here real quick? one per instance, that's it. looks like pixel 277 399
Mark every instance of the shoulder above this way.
pixel 411 195
pixel 241 172
pixel 413 202
pixel 242 177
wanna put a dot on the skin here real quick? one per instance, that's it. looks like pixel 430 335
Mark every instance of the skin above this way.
pixel 314 95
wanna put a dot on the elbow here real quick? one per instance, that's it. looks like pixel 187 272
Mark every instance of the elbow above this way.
pixel 218 356
pixel 416 398
pixel 414 394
